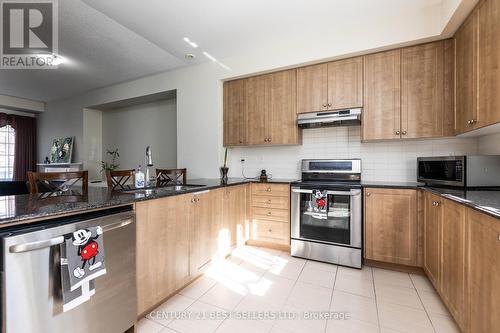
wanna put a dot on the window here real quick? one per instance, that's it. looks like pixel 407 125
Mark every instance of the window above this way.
pixel 7 140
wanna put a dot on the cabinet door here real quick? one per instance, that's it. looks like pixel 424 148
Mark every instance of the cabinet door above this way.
pixel 382 96
pixel 234 207
pixel 422 91
pixel 162 250
pixel 484 272
pixel 235 122
pixel 432 236
pixel 282 116
pixel 257 106
pixel 449 88
pixel 312 88
pixel 453 258
pixel 201 232
pixel 345 84
pixel 488 59
pixel 466 92
pixel 391 225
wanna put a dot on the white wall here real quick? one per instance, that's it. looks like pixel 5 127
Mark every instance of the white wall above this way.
pixel 199 93
pixel 394 161
pixel 132 128
pixel 489 144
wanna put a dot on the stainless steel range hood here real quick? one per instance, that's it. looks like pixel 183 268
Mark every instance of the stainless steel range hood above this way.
pixel 349 117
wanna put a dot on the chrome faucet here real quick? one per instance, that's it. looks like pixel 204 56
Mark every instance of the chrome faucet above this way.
pixel 149 163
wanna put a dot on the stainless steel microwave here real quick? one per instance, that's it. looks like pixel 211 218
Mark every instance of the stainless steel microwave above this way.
pixel 460 171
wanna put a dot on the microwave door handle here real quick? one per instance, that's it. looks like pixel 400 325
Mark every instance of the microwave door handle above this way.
pixel 37 245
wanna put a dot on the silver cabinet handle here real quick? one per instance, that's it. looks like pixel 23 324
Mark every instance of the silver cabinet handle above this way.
pixel 404 132
pixel 368 194
pixel 37 245
pixel 324 105
pixel 398 132
pixel 329 104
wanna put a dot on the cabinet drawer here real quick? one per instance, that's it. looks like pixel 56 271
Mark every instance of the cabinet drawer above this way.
pixel 278 215
pixel 270 202
pixel 271 189
pixel 271 231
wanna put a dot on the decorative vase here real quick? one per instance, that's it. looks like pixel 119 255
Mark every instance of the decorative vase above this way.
pixel 223 173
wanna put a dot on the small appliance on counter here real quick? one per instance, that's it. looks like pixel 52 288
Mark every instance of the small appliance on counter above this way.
pixel 460 171
pixel 263 176
pixel 326 212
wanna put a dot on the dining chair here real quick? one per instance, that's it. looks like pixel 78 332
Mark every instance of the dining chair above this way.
pixel 170 176
pixel 55 183
pixel 117 179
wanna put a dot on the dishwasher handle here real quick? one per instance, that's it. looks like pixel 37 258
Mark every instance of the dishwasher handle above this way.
pixel 36 245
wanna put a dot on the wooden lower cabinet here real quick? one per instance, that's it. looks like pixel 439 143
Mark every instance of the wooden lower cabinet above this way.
pixel 270 209
pixel 178 236
pixel 453 280
pixel 202 230
pixel 162 249
pixel 391 225
pixel 432 237
pixel 483 272
pixel 234 217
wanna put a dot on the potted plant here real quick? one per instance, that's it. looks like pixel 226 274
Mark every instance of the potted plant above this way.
pixel 107 167
pixel 224 169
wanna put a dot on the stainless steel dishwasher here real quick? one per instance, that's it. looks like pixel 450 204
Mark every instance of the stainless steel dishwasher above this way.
pixel 31 277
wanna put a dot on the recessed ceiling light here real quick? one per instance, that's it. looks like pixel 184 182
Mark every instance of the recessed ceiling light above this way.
pixel 190 42
pixel 189 56
pixel 209 56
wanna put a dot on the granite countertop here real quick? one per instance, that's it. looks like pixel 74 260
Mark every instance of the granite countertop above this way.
pixel 20 209
pixel 486 201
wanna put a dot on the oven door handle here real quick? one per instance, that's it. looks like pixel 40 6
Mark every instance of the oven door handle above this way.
pixel 350 193
pixel 298 190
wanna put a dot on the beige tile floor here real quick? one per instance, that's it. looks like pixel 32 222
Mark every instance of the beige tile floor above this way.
pixel 256 280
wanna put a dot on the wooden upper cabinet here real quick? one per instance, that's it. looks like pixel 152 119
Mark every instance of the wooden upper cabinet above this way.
pixel 257 106
pixel 449 88
pixel 391 225
pixel 312 88
pixel 432 237
pixel 282 116
pixel 453 258
pixel 382 96
pixel 488 62
pixel 483 272
pixel 345 83
pixel 235 129
pixel 466 107
pixel 330 86
pixel 422 91
pixel 271 102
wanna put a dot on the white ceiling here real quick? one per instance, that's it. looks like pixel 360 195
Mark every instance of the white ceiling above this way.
pixel 112 41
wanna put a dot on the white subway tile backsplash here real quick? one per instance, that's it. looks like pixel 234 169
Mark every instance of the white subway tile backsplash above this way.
pixel 388 160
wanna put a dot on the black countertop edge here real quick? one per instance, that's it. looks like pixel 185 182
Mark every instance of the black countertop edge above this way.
pixel 390 184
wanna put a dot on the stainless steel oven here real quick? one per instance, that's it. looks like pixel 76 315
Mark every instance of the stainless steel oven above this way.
pixel 326 212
